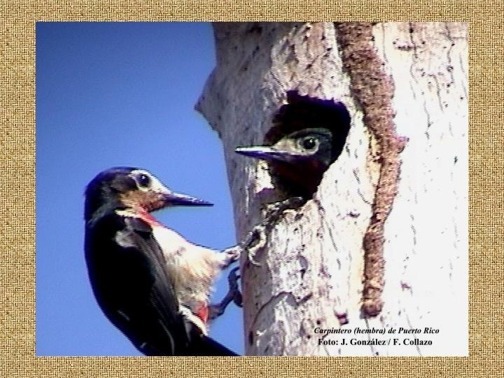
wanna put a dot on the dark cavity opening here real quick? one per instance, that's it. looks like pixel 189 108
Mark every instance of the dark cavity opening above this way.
pixel 308 134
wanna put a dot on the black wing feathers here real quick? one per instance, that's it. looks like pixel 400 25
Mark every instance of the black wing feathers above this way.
pixel 127 271
pixel 131 284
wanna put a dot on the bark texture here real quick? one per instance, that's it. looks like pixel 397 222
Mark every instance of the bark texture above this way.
pixel 314 265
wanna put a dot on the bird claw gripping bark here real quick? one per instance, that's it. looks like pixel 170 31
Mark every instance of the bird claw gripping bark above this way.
pixel 233 295
pixel 233 278
pixel 256 239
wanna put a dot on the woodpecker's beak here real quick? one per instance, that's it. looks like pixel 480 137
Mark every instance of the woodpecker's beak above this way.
pixel 269 153
pixel 178 199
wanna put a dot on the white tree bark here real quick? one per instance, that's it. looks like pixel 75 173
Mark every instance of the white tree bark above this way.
pixel 311 270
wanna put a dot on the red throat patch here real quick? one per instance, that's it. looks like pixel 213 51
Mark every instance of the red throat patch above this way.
pixel 147 217
pixel 202 313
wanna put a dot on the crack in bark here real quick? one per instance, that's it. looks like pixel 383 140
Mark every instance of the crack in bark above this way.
pixel 273 299
pixel 373 91
pixel 278 297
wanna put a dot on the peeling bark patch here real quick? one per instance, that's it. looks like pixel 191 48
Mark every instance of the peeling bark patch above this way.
pixel 256 240
pixel 373 91
pixel 342 318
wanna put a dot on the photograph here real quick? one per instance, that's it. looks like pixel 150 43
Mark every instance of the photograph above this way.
pixel 251 189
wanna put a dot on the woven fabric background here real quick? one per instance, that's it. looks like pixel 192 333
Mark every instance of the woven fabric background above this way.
pixel 17 186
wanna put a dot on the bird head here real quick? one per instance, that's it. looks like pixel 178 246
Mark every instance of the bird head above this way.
pixel 311 147
pixel 132 188
pixel 307 135
pixel 297 161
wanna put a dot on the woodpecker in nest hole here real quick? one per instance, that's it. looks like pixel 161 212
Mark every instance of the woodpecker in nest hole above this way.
pixel 307 136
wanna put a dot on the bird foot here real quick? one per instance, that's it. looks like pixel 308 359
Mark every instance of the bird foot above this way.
pixel 231 255
pixel 233 295
pixel 256 239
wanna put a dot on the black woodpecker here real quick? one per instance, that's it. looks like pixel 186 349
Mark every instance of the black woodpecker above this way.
pixel 149 281
pixel 308 134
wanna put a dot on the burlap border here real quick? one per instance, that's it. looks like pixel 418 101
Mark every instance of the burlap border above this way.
pixel 17 186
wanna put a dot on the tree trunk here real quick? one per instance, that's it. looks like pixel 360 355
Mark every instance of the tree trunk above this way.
pixel 383 243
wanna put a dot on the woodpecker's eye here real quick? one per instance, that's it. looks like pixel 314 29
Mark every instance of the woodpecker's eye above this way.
pixel 309 143
pixel 143 180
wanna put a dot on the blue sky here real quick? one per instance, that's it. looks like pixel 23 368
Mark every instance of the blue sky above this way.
pixel 110 94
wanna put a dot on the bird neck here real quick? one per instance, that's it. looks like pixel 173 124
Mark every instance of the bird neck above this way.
pixel 96 208
pixel 139 212
pixel 147 217
pixel 301 179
